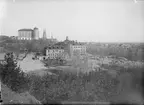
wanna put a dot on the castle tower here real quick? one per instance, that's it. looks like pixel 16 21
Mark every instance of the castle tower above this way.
pixel 36 33
pixel 44 34
pixel 67 38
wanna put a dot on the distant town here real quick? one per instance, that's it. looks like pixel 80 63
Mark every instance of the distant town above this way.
pixel 50 48
pixel 67 62
pixel 65 49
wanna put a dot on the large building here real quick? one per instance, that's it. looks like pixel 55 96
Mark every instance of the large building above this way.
pixel 65 50
pixel 77 49
pixel 55 51
pixel 73 48
pixel 28 34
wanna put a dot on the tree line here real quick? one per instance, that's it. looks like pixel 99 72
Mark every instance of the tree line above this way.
pixel 132 53
pixel 15 45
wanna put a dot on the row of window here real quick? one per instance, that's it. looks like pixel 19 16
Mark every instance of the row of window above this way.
pixel 56 50
pixel 81 51
pixel 26 34
pixel 78 46
pixel 53 54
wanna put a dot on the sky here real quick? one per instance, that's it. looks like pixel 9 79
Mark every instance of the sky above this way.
pixel 81 20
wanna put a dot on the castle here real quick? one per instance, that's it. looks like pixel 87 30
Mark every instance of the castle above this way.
pixel 28 34
pixel 33 34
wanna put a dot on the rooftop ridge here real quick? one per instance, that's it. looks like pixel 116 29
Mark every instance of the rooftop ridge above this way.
pixel 25 29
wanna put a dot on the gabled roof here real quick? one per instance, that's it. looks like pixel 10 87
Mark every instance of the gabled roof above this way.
pixel 55 47
pixel 25 29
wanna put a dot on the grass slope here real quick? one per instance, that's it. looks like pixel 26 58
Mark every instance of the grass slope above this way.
pixel 10 97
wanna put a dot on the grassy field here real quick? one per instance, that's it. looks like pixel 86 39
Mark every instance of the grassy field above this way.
pixel 28 64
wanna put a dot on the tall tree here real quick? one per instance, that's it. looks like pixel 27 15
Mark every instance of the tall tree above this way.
pixel 11 74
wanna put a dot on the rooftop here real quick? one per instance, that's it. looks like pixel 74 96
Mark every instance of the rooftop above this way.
pixel 35 28
pixel 55 47
pixel 77 44
pixel 25 29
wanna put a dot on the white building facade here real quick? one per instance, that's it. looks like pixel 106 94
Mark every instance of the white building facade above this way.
pixel 28 34
pixel 25 34
pixel 55 52
pixel 77 49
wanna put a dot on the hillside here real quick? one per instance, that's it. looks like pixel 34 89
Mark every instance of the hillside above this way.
pixel 10 97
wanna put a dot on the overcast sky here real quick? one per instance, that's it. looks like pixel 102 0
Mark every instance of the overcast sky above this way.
pixel 82 20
